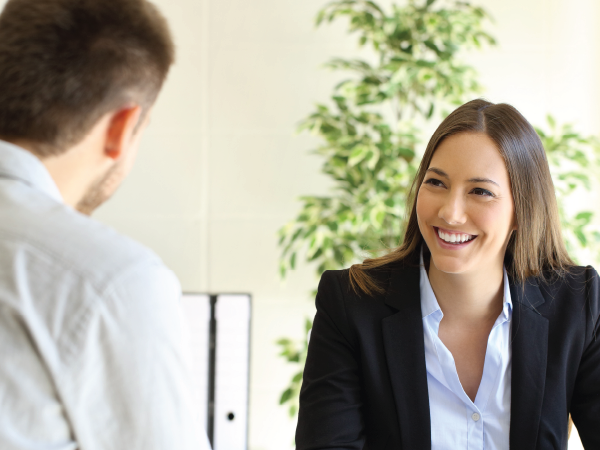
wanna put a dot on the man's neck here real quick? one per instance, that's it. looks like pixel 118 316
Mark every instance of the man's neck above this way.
pixel 72 170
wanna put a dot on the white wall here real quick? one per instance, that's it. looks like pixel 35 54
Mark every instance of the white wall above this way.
pixel 220 168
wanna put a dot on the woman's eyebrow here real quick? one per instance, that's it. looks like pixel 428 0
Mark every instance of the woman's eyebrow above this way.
pixel 482 180
pixel 441 173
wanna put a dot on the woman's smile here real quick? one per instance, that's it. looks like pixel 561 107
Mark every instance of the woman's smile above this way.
pixel 453 240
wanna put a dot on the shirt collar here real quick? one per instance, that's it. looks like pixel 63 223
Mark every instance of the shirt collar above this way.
pixel 429 303
pixel 17 163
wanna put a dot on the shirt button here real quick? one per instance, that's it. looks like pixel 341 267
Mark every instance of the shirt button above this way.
pixel 475 417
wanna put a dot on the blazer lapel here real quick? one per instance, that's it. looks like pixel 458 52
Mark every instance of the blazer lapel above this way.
pixel 405 355
pixel 529 357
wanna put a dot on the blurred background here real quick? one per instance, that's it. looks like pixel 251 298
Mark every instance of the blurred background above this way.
pixel 222 167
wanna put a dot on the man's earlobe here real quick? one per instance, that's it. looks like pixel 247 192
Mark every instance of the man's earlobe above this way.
pixel 121 129
pixel 113 152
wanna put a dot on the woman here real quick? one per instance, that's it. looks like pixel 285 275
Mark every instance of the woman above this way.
pixel 478 332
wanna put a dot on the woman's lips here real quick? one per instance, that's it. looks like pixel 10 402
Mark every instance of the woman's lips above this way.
pixel 461 239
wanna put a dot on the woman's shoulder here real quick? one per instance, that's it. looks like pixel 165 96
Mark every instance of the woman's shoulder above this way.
pixel 574 278
pixel 342 279
pixel 584 280
pixel 340 289
pixel 349 307
pixel 582 271
pixel 579 286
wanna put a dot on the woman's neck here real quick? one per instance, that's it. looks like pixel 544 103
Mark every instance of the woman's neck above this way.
pixel 469 298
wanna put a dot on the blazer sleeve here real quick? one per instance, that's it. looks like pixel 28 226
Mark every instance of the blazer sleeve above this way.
pixel 330 415
pixel 585 404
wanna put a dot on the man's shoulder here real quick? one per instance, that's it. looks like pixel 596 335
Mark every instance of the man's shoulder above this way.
pixel 70 240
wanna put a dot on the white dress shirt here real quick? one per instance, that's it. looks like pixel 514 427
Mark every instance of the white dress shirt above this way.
pixel 90 329
pixel 456 421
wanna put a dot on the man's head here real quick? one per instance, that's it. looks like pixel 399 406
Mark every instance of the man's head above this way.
pixel 77 74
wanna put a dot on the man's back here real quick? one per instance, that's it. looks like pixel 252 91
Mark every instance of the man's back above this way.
pixel 90 331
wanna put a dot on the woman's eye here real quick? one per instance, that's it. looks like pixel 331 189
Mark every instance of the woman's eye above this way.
pixel 482 192
pixel 434 182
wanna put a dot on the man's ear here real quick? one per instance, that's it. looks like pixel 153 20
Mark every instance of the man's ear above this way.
pixel 121 129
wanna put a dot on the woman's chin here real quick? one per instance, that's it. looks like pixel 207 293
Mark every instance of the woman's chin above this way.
pixel 449 264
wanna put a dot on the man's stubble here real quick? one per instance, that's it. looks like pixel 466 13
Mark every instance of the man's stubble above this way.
pixel 102 189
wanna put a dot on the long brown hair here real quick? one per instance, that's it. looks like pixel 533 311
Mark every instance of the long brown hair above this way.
pixel 537 244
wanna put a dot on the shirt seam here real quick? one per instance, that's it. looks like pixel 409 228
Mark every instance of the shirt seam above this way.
pixel 54 257
pixel 69 351
pixel 90 309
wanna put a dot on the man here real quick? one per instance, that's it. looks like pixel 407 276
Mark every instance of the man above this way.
pixel 90 331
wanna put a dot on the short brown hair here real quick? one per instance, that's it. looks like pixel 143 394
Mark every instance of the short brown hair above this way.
pixel 536 248
pixel 66 63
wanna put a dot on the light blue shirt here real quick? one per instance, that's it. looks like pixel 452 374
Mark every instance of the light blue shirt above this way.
pixel 457 422
pixel 91 343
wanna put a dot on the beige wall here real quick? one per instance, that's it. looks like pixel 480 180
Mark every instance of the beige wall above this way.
pixel 220 168
pixel 548 60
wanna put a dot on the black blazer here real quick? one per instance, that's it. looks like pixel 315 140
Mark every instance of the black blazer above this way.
pixel 365 380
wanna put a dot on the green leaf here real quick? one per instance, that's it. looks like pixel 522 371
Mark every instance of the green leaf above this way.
pixel 584 216
pixel 580 236
pixel 333 226
pixel 297 378
pixel 373 159
pixel 357 155
pixel 308 325
pixel 293 410
pixel 296 233
pixel 286 396
pixel 431 109
pixel 282 270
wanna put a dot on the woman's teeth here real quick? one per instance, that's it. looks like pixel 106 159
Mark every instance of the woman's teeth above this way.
pixel 454 238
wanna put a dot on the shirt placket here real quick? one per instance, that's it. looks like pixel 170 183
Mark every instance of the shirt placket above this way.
pixel 473 416
pixel 442 367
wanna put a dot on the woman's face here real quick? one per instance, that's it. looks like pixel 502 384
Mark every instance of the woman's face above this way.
pixel 465 206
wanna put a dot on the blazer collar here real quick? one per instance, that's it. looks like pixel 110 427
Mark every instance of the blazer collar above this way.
pixel 529 334
pixel 405 355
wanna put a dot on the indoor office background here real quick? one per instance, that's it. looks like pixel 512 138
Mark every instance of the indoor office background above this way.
pixel 221 168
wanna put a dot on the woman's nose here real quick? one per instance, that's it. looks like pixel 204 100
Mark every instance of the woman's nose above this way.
pixel 452 210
